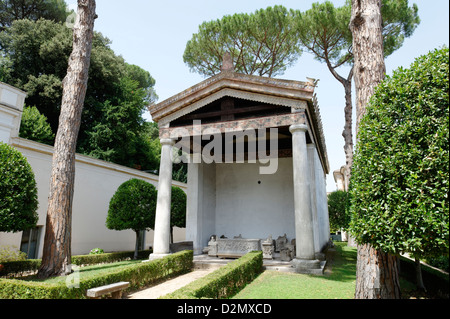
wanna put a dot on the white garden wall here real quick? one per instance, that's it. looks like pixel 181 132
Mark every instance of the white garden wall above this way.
pixel 96 182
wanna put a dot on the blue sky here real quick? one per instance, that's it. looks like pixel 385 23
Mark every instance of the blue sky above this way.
pixel 153 35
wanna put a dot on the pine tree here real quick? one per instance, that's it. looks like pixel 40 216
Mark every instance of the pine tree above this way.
pixel 56 259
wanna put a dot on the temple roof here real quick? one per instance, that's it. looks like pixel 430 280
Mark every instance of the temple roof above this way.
pixel 289 93
pixel 274 91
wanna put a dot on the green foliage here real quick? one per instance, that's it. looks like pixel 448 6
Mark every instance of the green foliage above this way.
pixel 224 282
pixel 399 22
pixel 178 208
pixel 19 268
pixel 440 262
pixel 339 283
pixel 115 136
pixel 5 68
pixel 11 10
pixel 144 80
pixel 324 31
pixel 337 209
pixel 100 258
pixel 8 253
pixel 139 275
pixel 18 191
pixel 34 126
pixel 35 58
pixel 263 43
pixel 400 178
pixel 96 251
pixel 133 206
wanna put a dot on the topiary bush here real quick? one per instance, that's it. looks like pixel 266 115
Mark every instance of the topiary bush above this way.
pixel 400 179
pixel 133 206
pixel 337 210
pixel 18 191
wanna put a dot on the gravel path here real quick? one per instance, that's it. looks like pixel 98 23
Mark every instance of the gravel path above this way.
pixel 169 286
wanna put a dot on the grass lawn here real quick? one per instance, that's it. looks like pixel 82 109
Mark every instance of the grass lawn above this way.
pixel 339 283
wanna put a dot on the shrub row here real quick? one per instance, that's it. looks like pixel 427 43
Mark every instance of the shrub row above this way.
pixel 19 268
pixel 139 275
pixel 224 282
pixel 93 259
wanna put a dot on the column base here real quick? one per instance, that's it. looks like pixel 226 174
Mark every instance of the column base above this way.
pixel 308 266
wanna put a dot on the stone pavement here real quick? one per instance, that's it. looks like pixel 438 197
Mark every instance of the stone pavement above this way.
pixel 169 286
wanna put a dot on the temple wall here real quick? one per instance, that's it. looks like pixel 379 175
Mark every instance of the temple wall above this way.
pixel 233 199
pixel 201 203
pixel 254 210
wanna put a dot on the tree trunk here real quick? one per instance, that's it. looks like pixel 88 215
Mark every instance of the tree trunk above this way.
pixel 419 280
pixel 347 133
pixel 368 52
pixel 377 272
pixel 348 127
pixel 56 260
pixel 136 245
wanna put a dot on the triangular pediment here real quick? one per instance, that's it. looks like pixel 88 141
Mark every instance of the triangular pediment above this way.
pixel 233 85
pixel 258 93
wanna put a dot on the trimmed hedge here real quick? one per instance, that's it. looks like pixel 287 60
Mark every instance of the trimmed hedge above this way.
pixel 31 265
pixel 224 282
pixel 139 275
pixel 92 259
pixel 19 268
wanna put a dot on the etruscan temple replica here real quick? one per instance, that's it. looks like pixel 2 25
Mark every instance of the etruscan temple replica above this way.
pixel 257 165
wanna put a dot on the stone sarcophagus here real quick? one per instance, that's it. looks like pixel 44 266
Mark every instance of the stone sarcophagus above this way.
pixel 232 248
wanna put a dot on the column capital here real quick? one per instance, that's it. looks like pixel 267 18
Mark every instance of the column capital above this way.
pixel 298 128
pixel 167 141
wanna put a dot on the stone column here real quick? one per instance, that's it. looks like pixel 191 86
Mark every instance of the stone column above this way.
pixel 194 205
pixel 304 231
pixel 161 241
pixel 311 148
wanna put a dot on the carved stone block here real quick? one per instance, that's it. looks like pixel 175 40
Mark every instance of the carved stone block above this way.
pixel 268 248
pixel 212 246
pixel 288 252
pixel 237 247
pixel 285 254
pixel 280 243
